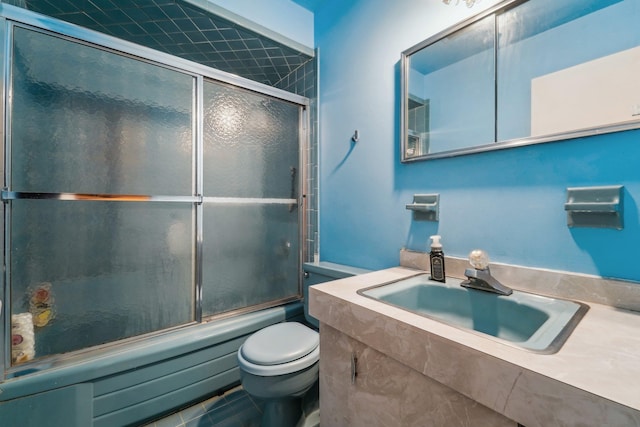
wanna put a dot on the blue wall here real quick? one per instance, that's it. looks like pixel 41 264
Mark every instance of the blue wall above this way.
pixel 282 16
pixel 509 202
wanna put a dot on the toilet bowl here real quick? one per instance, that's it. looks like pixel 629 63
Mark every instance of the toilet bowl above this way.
pixel 279 364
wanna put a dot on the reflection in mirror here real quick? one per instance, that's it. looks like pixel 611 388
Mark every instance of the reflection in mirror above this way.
pixel 567 67
pixel 554 70
pixel 451 93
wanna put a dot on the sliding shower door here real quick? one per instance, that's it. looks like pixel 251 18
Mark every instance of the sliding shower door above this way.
pixel 101 220
pixel 143 192
pixel 251 228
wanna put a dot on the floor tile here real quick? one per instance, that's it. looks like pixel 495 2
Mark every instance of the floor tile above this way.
pixel 229 422
pixel 172 420
pixel 201 421
pixel 235 408
pixel 195 411
pixel 222 414
pixel 235 393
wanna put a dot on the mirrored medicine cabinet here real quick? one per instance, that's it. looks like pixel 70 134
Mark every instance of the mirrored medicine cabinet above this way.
pixel 522 72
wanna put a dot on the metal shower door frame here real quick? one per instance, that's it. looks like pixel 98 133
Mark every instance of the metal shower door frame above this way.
pixel 11 16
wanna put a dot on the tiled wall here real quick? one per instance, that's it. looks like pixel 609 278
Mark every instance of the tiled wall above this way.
pixel 303 81
pixel 182 29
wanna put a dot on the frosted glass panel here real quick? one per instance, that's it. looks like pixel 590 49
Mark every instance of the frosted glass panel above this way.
pixel 85 273
pixel 113 270
pixel 251 255
pixel 251 248
pixel 251 144
pixel 90 121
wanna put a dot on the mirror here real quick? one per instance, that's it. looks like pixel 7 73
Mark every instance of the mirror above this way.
pixel 522 72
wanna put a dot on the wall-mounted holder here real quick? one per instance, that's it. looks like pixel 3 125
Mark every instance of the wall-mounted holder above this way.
pixel 425 207
pixel 356 136
pixel 599 207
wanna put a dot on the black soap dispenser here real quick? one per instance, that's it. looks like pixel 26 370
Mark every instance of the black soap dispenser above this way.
pixel 436 259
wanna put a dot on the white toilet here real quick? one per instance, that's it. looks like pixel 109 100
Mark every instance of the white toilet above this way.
pixel 279 364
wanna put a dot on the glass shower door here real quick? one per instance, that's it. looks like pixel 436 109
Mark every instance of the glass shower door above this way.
pixel 251 232
pixel 122 219
pixel 101 224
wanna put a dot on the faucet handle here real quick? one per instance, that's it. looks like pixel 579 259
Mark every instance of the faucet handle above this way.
pixel 479 259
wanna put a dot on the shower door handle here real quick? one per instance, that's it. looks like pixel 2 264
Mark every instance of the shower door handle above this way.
pixel 294 173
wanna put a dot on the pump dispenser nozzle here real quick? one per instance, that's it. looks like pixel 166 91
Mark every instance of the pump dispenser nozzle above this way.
pixel 435 242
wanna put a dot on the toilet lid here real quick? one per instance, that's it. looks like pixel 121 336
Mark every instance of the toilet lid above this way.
pixel 280 343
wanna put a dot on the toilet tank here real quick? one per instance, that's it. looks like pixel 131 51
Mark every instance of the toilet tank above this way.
pixel 320 272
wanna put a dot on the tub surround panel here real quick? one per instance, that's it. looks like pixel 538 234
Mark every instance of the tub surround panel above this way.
pixel 386 392
pixel 45 409
pixel 128 384
pixel 592 380
pixel 583 287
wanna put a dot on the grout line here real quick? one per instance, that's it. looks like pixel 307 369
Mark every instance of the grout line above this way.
pixel 254 403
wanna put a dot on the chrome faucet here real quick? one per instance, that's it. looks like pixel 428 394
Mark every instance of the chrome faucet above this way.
pixel 480 276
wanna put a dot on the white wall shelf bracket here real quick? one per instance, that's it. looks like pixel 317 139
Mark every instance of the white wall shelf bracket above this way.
pixel 425 207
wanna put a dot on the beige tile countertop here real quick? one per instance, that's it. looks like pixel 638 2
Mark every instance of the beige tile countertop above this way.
pixel 593 380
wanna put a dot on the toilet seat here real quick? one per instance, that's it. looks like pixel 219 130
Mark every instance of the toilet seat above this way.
pixel 280 349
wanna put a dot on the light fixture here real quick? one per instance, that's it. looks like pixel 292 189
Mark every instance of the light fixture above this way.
pixel 469 3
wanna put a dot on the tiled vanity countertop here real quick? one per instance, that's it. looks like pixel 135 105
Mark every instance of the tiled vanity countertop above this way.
pixel 593 380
